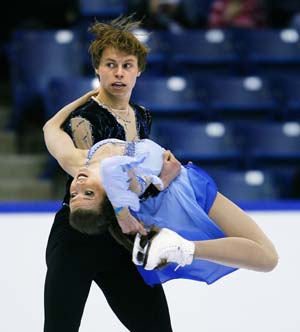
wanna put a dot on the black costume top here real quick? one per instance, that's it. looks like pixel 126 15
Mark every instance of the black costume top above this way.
pixel 104 125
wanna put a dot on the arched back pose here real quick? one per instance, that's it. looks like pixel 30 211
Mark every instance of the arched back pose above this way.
pixel 216 237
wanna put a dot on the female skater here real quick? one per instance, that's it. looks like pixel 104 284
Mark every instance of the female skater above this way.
pixel 203 232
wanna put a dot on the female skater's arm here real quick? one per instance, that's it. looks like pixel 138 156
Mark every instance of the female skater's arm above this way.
pixel 138 184
pixel 123 187
pixel 59 144
pixel 246 245
pixel 128 223
pixel 170 170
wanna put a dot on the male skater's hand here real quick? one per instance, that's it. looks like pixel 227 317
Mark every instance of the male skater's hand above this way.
pixel 171 168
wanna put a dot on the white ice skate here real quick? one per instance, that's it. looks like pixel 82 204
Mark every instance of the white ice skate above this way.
pixel 166 246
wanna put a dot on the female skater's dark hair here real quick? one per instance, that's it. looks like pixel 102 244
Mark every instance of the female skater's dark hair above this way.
pixel 93 222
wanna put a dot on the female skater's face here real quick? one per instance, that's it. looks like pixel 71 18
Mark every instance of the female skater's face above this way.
pixel 86 191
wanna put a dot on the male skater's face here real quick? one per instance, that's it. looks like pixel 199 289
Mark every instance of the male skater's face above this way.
pixel 118 72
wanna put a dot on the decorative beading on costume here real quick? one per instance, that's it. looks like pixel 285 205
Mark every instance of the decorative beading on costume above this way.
pixel 98 145
pixel 142 182
pixel 92 151
pixel 130 149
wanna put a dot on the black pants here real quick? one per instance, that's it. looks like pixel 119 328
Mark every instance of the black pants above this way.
pixel 74 260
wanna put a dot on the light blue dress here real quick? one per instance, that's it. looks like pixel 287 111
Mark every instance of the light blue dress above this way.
pixel 182 207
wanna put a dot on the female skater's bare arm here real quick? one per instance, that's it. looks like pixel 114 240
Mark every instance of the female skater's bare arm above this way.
pixel 59 143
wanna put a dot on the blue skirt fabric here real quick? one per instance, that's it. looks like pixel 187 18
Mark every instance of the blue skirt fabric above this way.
pixel 183 207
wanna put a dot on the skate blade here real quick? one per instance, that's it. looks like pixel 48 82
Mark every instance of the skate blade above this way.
pixel 140 249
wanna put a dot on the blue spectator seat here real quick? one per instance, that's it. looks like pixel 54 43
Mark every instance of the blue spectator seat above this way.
pixel 270 51
pixel 208 143
pixel 272 144
pixel 35 57
pixel 248 185
pixel 242 97
pixel 207 52
pixel 157 42
pixel 61 91
pixel 167 95
pixel 102 8
pixel 290 92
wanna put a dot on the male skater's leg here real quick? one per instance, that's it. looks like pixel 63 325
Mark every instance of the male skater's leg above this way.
pixel 69 276
pixel 66 292
pixel 140 307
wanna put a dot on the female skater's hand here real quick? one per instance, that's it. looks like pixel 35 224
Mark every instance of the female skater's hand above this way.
pixel 129 224
pixel 89 94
